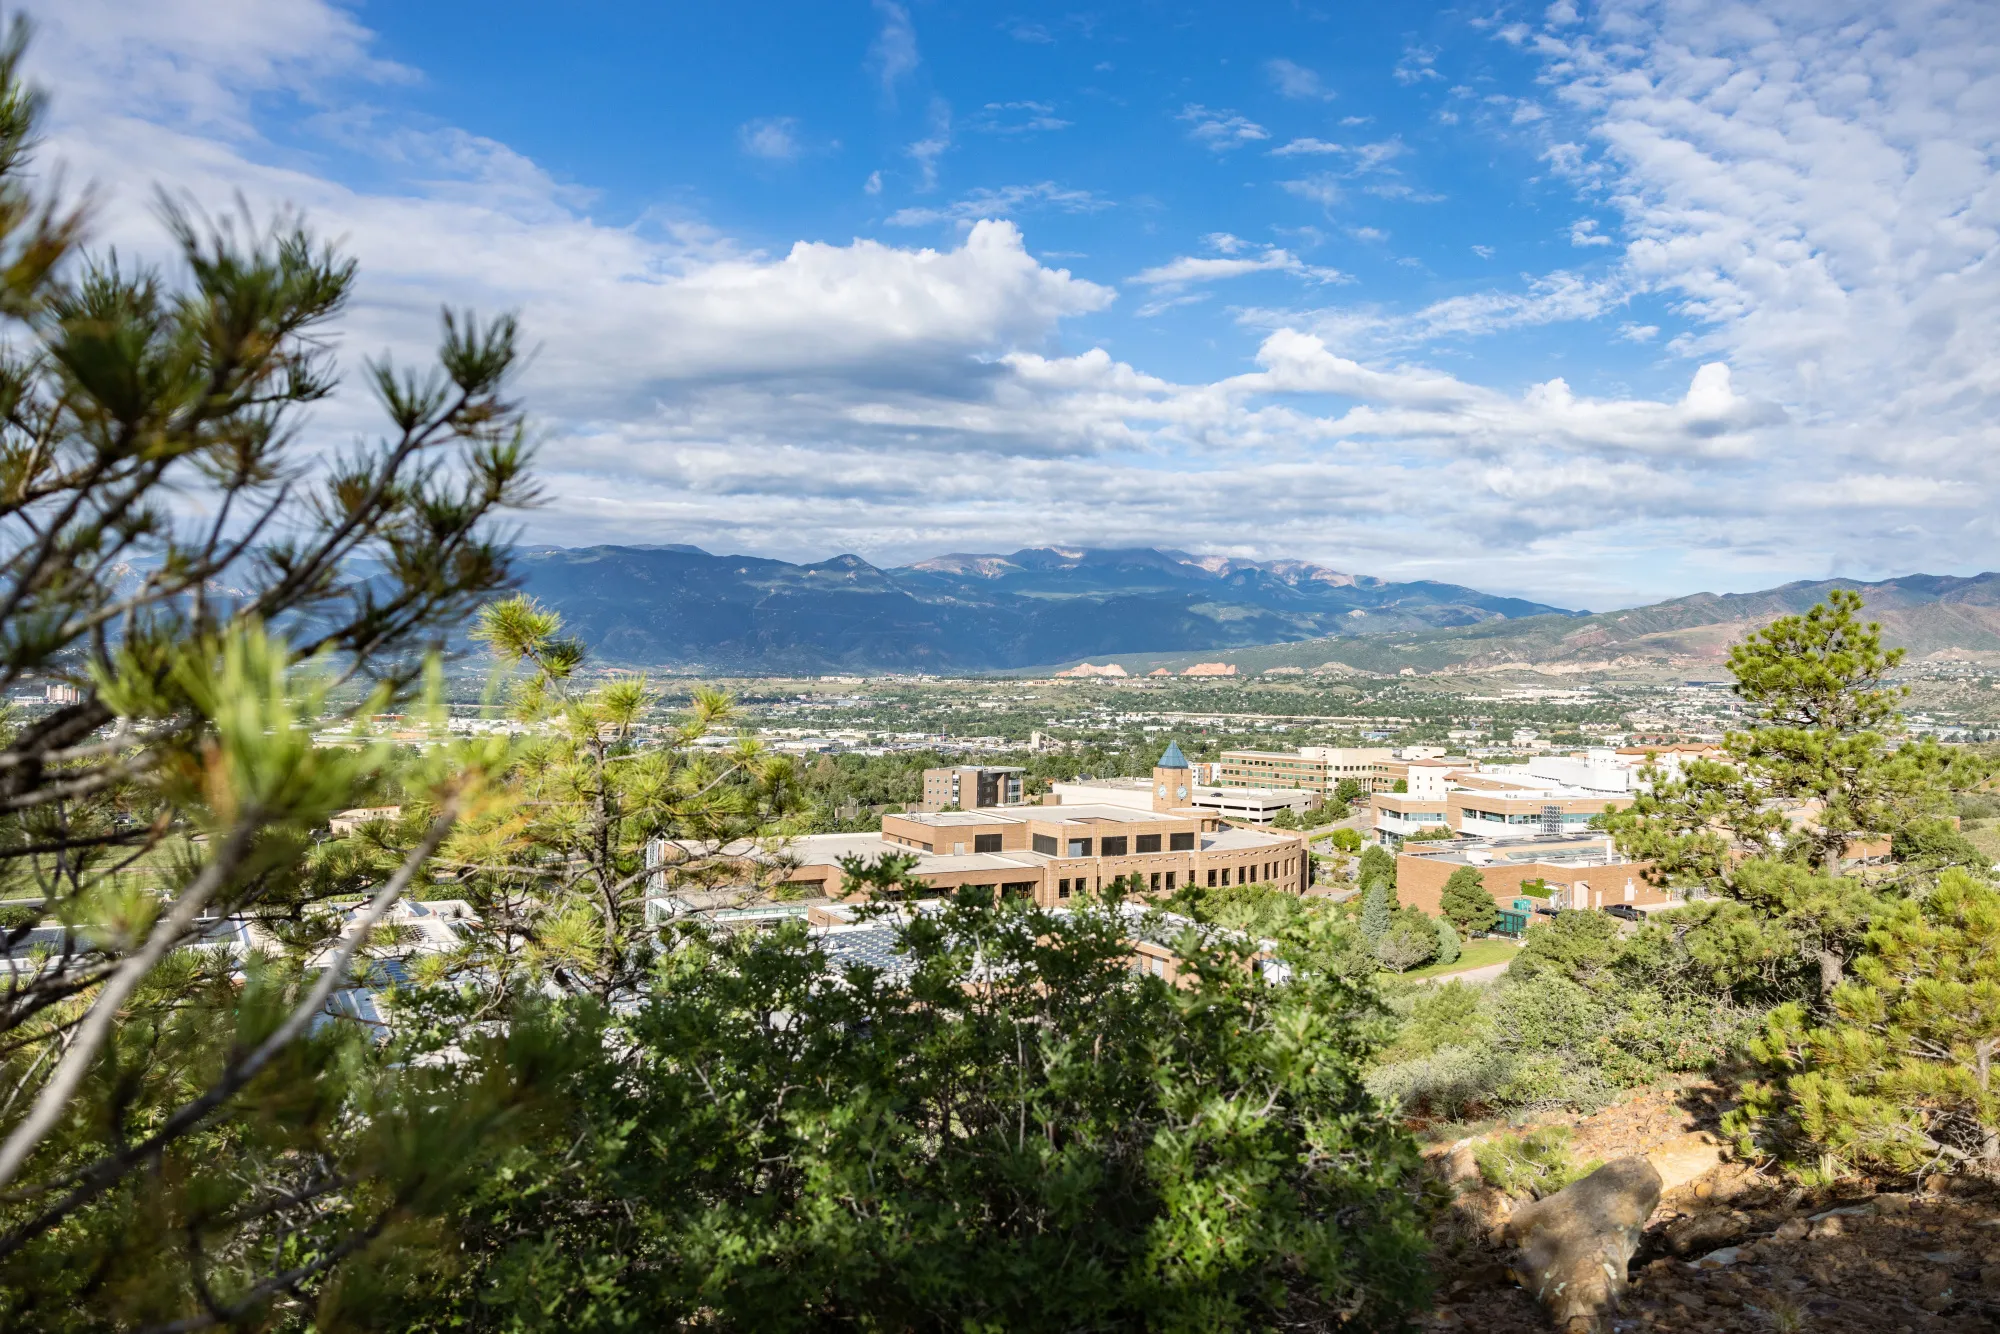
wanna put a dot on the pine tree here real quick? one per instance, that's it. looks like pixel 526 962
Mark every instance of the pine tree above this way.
pixel 1375 912
pixel 1900 1075
pixel 1465 901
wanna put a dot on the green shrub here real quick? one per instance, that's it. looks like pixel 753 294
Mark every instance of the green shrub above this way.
pixel 1410 941
pixel 1448 948
pixel 1451 1082
pixel 1536 1163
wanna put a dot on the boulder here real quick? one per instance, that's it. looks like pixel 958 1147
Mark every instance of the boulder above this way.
pixel 1573 1247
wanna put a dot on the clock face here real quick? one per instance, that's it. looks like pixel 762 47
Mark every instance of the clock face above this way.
pixel 1163 789
pixel 1181 791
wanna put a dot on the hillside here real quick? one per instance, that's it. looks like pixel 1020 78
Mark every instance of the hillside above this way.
pixel 682 606
pixel 1922 613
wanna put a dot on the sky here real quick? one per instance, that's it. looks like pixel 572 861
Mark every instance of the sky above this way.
pixel 1591 303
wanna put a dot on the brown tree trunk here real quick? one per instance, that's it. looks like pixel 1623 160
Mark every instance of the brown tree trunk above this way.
pixel 1832 968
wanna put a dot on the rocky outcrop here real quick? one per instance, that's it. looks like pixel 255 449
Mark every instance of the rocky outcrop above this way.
pixel 1573 1247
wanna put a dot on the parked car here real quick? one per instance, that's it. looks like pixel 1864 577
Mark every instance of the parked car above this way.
pixel 1625 911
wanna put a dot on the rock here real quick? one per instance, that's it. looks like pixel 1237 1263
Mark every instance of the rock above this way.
pixel 1574 1245
pixel 1705 1232
pixel 1728 1255
pixel 1460 1168
pixel 1945 1257
pixel 1793 1229
pixel 1825 1227
pixel 1892 1205
pixel 1683 1158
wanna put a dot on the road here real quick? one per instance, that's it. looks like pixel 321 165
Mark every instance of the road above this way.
pixel 1485 974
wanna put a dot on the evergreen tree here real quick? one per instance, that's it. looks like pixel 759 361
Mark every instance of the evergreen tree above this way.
pixel 1375 910
pixel 1820 748
pixel 208 592
pixel 1378 866
pixel 1448 948
pixel 1899 1074
pixel 1465 902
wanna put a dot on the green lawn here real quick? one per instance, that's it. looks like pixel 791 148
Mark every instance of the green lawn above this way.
pixel 1478 953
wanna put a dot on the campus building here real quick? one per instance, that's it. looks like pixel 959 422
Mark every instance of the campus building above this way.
pixel 963 787
pixel 1049 853
pixel 1564 871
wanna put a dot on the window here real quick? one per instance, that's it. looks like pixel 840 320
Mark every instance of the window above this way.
pixel 1079 847
pixel 1062 889
pixel 1018 889
pixel 1170 880
pixel 1242 875
pixel 1211 877
pixel 1045 844
pixel 1148 843
pixel 1180 842
pixel 1155 885
pixel 1115 847
pixel 986 842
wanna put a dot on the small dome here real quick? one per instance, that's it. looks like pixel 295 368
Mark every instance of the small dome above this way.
pixel 1173 759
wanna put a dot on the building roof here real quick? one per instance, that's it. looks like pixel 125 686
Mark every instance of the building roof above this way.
pixel 1172 758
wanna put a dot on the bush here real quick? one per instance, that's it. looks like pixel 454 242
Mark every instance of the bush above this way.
pixel 1448 946
pixel 1536 1163
pixel 1375 912
pixel 1348 841
pixel 1411 940
pixel 1451 1082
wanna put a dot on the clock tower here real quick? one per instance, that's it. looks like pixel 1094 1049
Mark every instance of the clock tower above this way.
pixel 1173 780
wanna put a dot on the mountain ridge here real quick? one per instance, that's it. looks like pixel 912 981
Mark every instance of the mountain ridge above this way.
pixel 677 605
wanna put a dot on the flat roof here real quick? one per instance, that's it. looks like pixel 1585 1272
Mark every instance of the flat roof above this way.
pixel 1225 840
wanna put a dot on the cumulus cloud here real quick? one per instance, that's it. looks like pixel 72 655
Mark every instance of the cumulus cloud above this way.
pixel 1812 218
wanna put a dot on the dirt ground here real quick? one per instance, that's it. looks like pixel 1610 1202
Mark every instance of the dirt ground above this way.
pixel 1740 1250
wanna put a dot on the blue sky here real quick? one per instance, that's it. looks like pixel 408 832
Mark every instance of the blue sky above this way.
pixel 1594 303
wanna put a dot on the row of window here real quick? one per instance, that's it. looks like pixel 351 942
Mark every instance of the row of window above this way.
pixel 1168 880
pixel 1111 846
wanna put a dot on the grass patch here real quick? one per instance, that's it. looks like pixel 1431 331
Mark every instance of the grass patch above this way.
pixel 1478 954
pixel 1536 1163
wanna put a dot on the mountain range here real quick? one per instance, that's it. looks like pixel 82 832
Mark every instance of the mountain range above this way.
pixel 1924 614
pixel 681 606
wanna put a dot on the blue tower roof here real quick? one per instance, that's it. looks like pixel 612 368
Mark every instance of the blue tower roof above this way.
pixel 1173 759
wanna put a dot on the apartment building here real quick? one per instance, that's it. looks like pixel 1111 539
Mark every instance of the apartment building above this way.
pixel 963 787
pixel 1565 871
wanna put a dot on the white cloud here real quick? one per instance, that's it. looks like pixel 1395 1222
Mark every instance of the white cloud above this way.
pixel 1416 66
pixel 1186 269
pixel 1813 200
pixel 1583 232
pixel 1307 146
pixel 926 151
pixel 1483 251
pixel 1296 81
pixel 1016 118
pixel 1322 188
pixel 894 56
pixel 772 138
pixel 1220 131
pixel 1008 199
pixel 873 185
